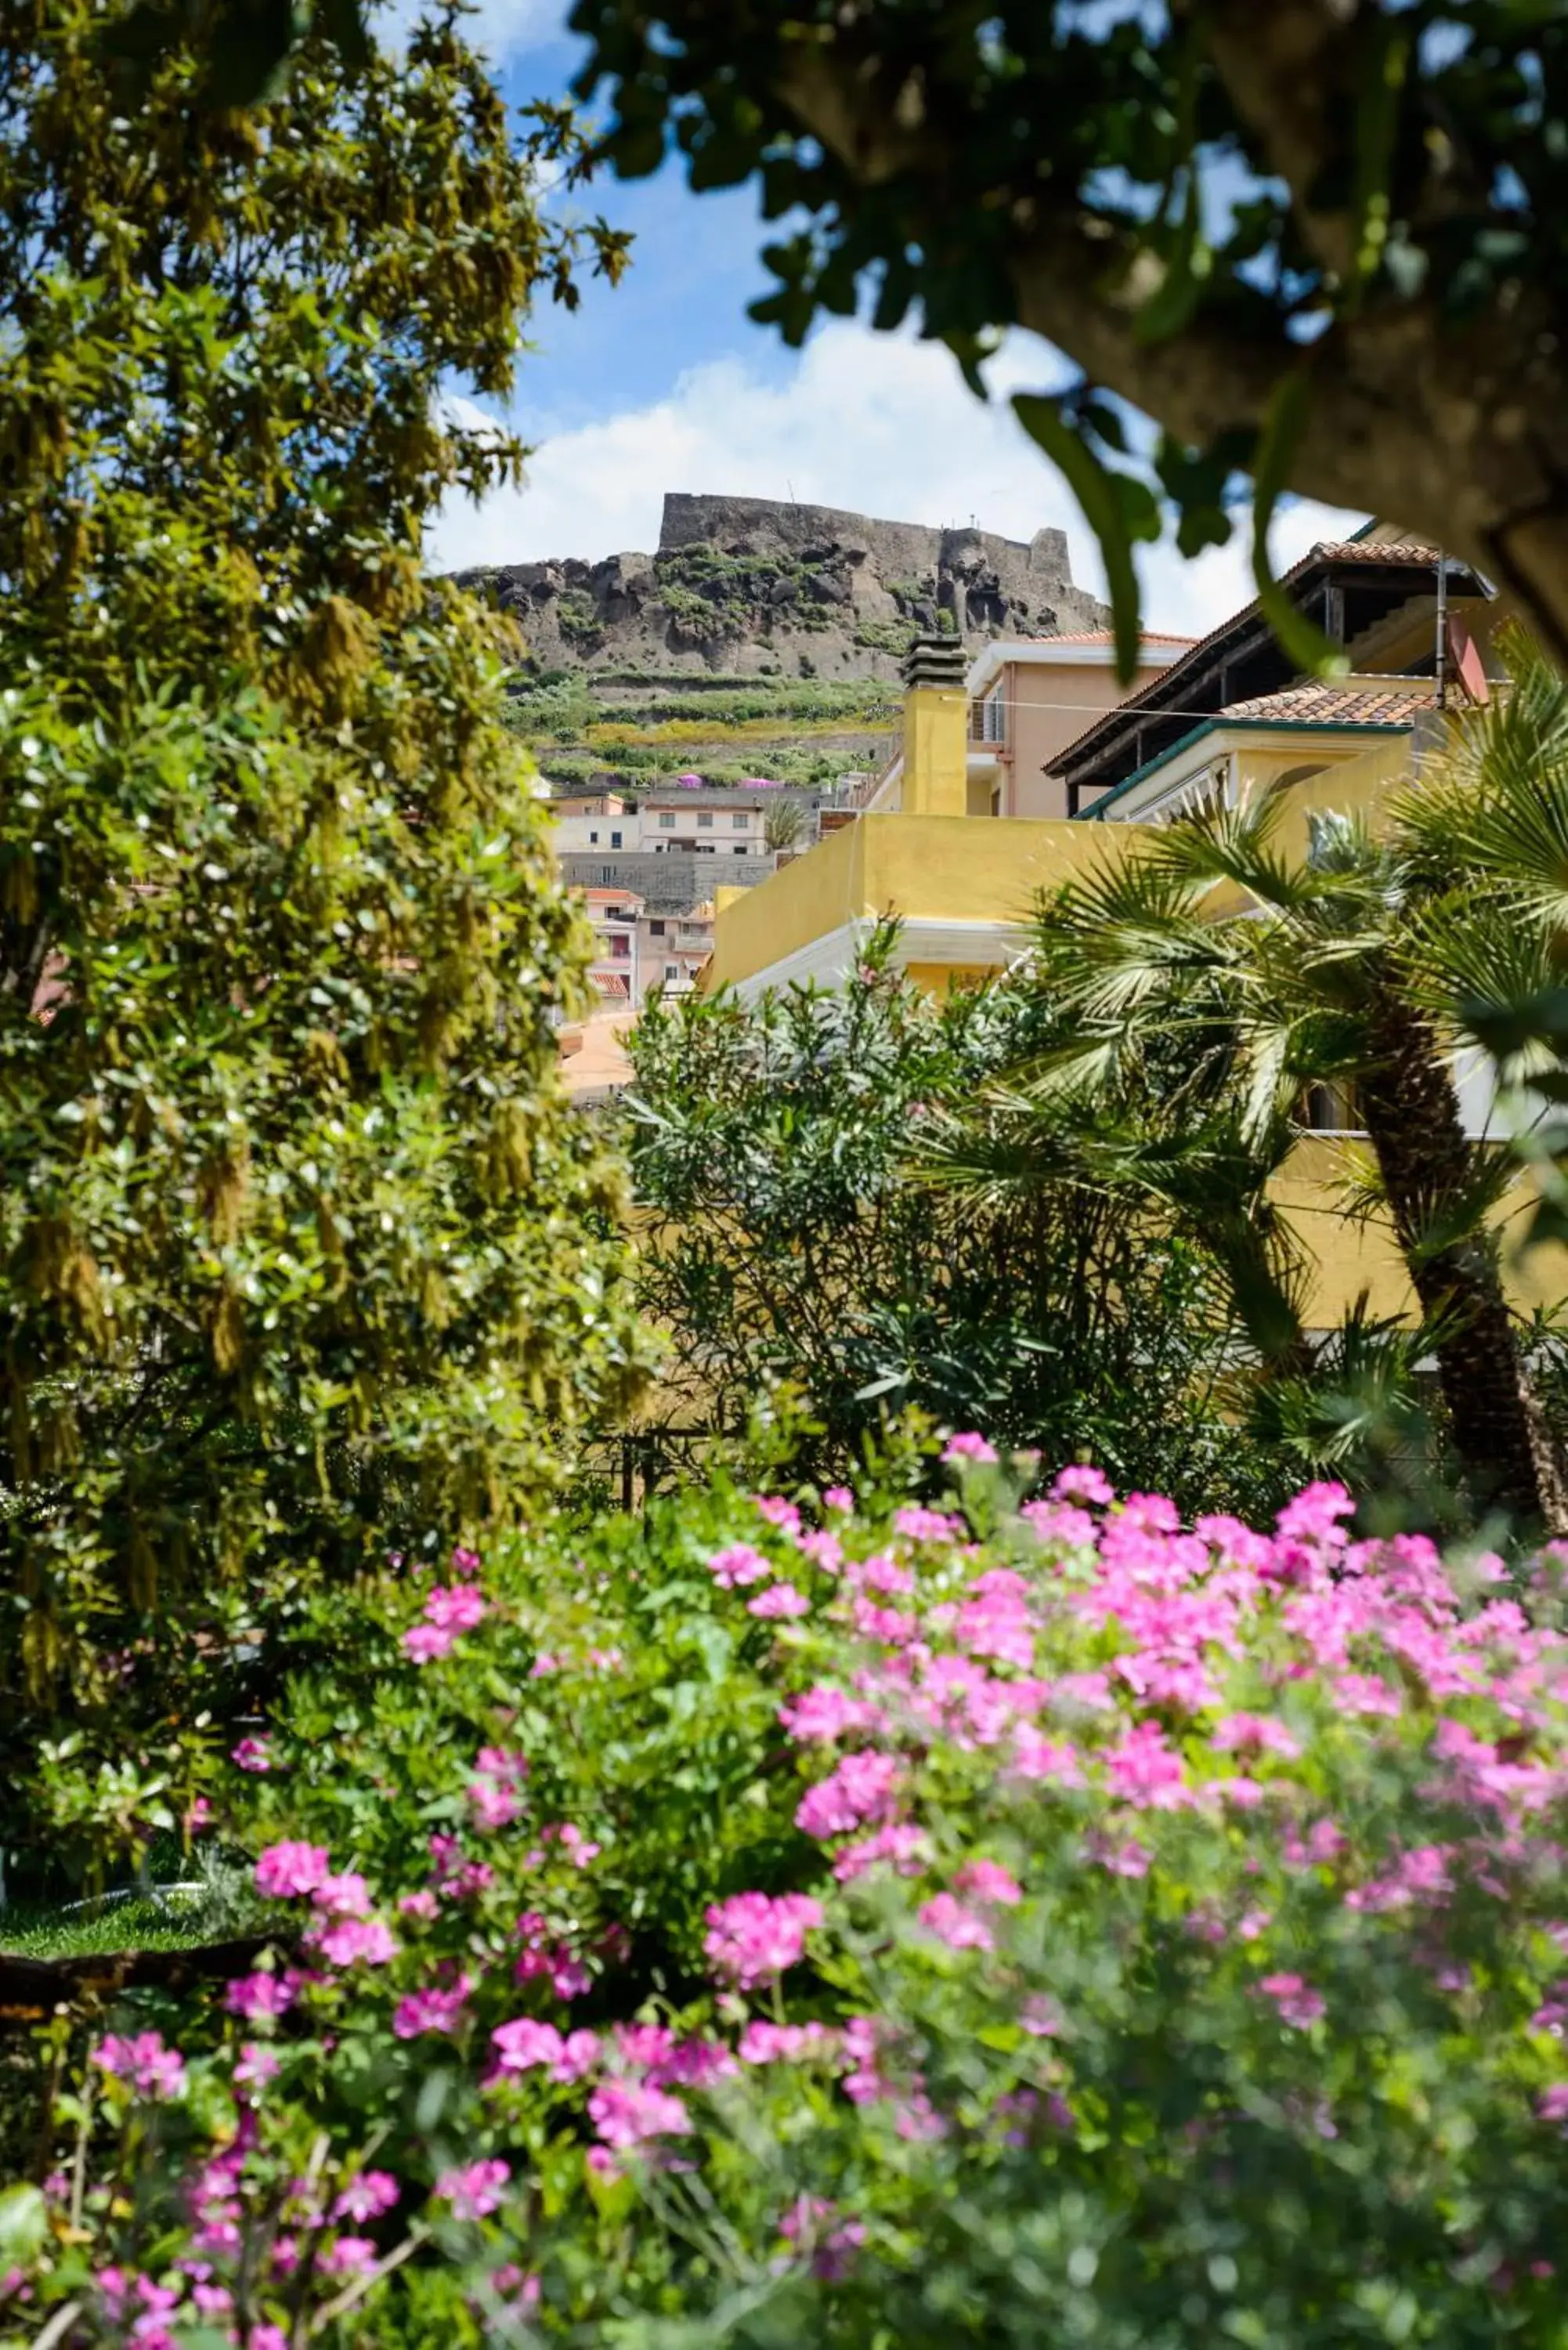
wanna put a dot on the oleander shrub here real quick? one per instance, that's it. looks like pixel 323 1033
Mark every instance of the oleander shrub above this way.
pixel 917 1914
pixel 788 1235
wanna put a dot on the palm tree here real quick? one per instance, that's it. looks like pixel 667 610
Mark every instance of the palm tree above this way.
pixel 783 826
pixel 1207 981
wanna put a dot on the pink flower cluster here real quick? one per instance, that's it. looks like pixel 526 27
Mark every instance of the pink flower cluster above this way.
pixel 475 2190
pixel 750 1938
pixel 143 2062
pixel 495 1790
pixel 449 1610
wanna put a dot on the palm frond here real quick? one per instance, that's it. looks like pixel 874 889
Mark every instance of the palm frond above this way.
pixel 1235 845
pixel 1473 967
pixel 1492 805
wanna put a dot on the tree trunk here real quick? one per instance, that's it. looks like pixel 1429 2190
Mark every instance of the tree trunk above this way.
pixel 1412 1113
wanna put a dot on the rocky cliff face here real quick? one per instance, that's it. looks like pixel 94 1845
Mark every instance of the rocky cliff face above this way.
pixel 748 587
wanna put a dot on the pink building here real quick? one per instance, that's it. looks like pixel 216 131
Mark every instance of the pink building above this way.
pixel 1030 697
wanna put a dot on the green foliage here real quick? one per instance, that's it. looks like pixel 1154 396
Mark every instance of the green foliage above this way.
pixel 578 617
pixel 784 1239
pixel 1361 965
pixel 300 1248
pixel 730 595
pixel 893 636
pixel 1187 1965
pixel 1194 204
pixel 559 704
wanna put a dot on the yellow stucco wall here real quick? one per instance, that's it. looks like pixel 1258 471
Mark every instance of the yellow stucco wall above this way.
pixel 936 750
pixel 942 867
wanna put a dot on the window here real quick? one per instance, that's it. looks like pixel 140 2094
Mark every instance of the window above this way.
pixel 1330 1109
pixel 992 717
pixel 740 824
pixel 704 848
pixel 620 948
pixel 656 930
pixel 704 823
pixel 667 824
pixel 1201 795
pixel 615 840
pixel 672 971
pixel 739 849
pixel 593 840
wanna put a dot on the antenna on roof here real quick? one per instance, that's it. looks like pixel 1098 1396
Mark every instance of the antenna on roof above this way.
pixel 1440 665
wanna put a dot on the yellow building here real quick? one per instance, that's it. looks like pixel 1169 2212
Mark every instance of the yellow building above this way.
pixel 1221 719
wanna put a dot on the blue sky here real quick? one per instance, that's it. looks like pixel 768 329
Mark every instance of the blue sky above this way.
pixel 664 383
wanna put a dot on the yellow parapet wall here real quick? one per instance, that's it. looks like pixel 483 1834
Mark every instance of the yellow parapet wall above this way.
pixel 932 867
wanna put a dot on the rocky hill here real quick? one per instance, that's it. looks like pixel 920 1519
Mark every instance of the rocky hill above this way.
pixel 748 589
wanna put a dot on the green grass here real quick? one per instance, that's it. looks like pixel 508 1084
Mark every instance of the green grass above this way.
pixel 177 1920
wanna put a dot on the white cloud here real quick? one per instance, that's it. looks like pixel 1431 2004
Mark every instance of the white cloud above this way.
pixel 498 27
pixel 877 424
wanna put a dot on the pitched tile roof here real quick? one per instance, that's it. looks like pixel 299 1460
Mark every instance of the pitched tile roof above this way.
pixel 1354 702
pixel 1369 554
pixel 1107 637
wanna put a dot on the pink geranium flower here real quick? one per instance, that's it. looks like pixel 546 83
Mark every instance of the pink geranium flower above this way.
pixel 778 1600
pixel 1079 1481
pixel 143 2061
pixel 1254 1733
pixel 435 2010
pixel 284 1870
pixel 475 2190
pixel 737 1566
pixel 423 1643
pixel 354 1941
pixel 989 1881
pixel 968 1445
pixel 1298 2003
pixel 349 2256
pixel 258 2064
pixel 252 1754
pixel 524 2045
pixel 751 1936
pixel 946 1916
pixel 627 2113
pixel 347 1896
pixel 259 1997
pixel 862 1788
pixel 367 2196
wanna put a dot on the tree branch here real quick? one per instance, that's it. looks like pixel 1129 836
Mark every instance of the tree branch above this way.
pixel 1457 432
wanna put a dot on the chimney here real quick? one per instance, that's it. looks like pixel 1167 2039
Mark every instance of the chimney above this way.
pixel 936 728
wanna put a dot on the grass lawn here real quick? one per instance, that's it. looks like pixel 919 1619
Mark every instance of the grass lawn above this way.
pixel 175 1920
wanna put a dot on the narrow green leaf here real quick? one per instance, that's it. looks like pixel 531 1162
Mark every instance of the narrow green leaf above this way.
pixel 1307 644
pixel 1098 493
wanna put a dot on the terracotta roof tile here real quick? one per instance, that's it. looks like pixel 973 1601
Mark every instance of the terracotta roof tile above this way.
pixel 1356 701
pixel 1107 636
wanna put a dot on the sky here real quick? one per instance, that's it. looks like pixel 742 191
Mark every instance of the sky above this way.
pixel 664 383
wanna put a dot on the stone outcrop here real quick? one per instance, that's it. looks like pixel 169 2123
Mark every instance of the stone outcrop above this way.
pixel 751 588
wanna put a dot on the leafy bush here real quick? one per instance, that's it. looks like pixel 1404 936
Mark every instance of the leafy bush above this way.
pixel 299 1240
pixel 783 1240
pixel 893 636
pixel 811 1920
pixel 578 617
